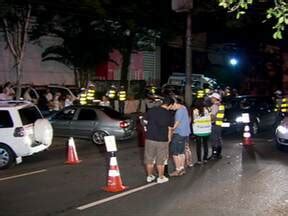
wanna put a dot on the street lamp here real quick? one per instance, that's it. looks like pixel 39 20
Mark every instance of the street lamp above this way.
pixel 186 6
pixel 233 61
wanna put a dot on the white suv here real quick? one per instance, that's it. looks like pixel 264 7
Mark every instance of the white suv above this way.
pixel 23 131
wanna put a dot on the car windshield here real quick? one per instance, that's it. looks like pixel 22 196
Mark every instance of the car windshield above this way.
pixel 29 115
pixel 242 103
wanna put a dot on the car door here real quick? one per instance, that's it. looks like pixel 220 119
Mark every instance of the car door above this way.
pixel 266 113
pixel 61 121
pixel 85 122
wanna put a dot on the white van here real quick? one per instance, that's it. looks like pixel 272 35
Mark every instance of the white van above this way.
pixel 198 81
pixel 23 131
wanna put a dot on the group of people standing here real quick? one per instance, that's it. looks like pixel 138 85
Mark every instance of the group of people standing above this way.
pixel 169 128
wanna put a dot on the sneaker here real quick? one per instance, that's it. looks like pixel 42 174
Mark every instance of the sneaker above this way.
pixel 182 172
pixel 163 179
pixel 219 156
pixel 190 165
pixel 205 161
pixel 198 163
pixel 174 173
pixel 150 178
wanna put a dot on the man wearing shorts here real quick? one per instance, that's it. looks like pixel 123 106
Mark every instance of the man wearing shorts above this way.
pixel 180 136
pixel 160 122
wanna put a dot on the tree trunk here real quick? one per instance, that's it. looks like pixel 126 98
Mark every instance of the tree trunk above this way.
pixel 126 59
pixel 16 35
pixel 18 80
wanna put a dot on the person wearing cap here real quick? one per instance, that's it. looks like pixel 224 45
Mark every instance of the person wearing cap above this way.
pixel 122 96
pixel 217 115
pixel 111 94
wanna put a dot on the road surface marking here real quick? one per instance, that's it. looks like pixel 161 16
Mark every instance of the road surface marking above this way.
pixel 89 205
pixel 22 175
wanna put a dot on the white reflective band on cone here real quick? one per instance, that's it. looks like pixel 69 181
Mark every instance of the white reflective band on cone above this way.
pixel 246 135
pixel 113 173
pixel 70 142
pixel 246 128
pixel 113 161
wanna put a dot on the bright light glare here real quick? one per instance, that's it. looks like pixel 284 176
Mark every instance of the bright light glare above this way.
pixel 282 129
pixel 233 61
pixel 239 119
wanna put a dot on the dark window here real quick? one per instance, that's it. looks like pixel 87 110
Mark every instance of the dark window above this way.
pixel 65 115
pixel 87 114
pixel 112 113
pixel 29 115
pixel 5 119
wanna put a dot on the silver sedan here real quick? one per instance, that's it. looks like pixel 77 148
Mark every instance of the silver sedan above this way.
pixel 92 122
pixel 281 134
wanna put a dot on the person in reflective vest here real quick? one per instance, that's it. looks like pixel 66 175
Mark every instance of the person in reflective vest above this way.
pixel 111 94
pixel 122 96
pixel 200 94
pixel 281 107
pixel 217 116
pixel 227 92
pixel 91 93
pixel 83 96
pixel 152 89
pixel 201 125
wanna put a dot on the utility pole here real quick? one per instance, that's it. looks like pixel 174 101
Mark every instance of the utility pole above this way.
pixel 188 62
pixel 186 6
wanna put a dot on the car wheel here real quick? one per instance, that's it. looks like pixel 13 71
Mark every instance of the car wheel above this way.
pixel 255 127
pixel 98 137
pixel 7 158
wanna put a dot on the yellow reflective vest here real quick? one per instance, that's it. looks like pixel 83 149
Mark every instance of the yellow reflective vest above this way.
pixel 281 105
pixel 122 95
pixel 83 98
pixel 220 115
pixel 200 94
pixel 91 94
pixel 111 93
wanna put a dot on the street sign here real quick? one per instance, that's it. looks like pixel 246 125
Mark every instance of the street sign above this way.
pixel 182 5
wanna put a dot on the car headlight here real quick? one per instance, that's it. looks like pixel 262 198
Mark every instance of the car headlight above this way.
pixel 239 119
pixel 282 129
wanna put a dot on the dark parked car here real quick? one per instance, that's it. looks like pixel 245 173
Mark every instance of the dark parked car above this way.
pixel 260 109
pixel 92 122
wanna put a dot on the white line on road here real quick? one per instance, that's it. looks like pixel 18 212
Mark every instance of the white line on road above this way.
pixel 115 196
pixel 22 175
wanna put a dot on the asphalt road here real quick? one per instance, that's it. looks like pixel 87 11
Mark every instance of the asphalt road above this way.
pixel 247 181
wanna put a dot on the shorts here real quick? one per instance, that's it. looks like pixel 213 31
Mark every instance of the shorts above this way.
pixel 156 151
pixel 178 144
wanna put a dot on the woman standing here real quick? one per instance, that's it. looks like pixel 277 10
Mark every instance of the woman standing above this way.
pixel 201 129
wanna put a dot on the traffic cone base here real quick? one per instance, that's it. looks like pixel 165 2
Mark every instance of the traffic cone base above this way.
pixel 247 140
pixel 114 183
pixel 72 156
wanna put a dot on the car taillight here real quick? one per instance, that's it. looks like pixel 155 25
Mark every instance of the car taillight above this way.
pixel 124 124
pixel 19 132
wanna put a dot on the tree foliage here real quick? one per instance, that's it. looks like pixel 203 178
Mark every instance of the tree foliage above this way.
pixel 16 20
pixel 277 11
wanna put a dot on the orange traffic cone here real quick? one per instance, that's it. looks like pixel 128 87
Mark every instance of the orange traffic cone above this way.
pixel 247 140
pixel 114 183
pixel 72 156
